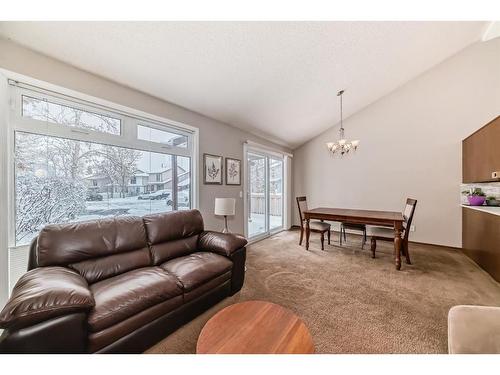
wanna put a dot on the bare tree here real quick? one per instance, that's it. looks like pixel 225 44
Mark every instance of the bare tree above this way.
pixel 118 164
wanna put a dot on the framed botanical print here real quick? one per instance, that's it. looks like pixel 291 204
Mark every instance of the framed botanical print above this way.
pixel 233 171
pixel 212 169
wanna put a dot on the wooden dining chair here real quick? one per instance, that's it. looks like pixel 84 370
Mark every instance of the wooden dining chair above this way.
pixel 352 226
pixel 407 219
pixel 315 226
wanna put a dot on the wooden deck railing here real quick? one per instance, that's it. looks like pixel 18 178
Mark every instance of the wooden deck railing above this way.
pixel 258 204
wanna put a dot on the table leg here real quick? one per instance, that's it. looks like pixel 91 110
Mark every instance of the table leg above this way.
pixel 397 245
pixel 308 233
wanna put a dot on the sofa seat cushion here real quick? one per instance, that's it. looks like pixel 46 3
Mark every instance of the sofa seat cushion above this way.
pixel 107 336
pixel 122 296
pixel 198 268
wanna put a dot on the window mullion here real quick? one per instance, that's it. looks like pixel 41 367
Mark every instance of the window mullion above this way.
pixel 174 182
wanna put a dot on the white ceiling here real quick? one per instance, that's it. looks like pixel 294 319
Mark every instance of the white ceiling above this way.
pixel 275 79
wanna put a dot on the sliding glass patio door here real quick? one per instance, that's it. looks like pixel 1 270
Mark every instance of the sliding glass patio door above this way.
pixel 264 194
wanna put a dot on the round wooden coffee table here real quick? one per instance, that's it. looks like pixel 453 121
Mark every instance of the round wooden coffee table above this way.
pixel 255 327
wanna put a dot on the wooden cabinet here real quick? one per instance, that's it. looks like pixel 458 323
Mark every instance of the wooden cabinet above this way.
pixel 481 239
pixel 481 154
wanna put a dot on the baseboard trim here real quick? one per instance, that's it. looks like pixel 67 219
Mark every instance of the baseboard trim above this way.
pixel 297 227
pixel 437 245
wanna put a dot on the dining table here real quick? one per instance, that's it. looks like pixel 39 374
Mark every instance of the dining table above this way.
pixel 377 218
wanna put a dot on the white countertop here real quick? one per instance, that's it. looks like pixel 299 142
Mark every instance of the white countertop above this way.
pixel 487 209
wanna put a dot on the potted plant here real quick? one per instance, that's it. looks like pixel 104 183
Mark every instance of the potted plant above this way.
pixel 493 201
pixel 475 196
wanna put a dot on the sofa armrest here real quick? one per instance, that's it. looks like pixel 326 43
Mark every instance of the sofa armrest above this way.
pixel 474 330
pixel 44 293
pixel 221 243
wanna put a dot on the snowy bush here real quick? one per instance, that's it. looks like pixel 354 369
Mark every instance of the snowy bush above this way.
pixel 46 200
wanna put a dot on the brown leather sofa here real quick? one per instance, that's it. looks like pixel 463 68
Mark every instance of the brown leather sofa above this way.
pixel 119 285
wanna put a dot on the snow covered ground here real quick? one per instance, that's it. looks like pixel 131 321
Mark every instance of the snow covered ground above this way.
pixel 123 206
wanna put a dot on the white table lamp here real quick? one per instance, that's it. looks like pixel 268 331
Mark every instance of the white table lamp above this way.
pixel 225 207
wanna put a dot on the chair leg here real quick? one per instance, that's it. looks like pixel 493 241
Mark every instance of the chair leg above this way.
pixel 373 246
pixel 301 235
pixel 322 240
pixel 406 252
pixel 340 235
pixel 345 237
pixel 364 240
pixel 328 235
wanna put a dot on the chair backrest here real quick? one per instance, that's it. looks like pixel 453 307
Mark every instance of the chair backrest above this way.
pixel 302 205
pixel 408 216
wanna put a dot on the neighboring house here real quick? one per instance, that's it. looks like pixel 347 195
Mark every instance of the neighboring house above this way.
pixel 139 183
pixel 97 184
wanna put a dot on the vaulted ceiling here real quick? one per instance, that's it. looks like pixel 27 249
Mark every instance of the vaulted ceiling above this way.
pixel 275 79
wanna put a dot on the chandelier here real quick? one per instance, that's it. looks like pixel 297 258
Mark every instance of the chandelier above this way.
pixel 342 146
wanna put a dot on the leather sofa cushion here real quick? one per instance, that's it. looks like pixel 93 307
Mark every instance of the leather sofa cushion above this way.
pixel 107 336
pixel 163 251
pixel 197 268
pixel 97 269
pixel 62 244
pixel 122 296
pixel 221 243
pixel 173 234
pixel 44 293
pixel 207 287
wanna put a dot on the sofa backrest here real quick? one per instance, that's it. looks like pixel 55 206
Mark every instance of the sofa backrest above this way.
pixel 96 249
pixel 173 234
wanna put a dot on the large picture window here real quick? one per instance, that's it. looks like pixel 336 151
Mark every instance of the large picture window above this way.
pixel 73 162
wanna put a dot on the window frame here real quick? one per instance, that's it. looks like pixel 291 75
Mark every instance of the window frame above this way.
pixel 129 120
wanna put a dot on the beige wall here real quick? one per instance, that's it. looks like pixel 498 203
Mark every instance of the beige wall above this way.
pixel 214 137
pixel 410 146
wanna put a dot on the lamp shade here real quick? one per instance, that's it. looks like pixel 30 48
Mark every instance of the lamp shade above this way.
pixel 225 206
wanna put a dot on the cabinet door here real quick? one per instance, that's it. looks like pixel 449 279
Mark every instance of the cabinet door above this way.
pixel 481 239
pixel 481 154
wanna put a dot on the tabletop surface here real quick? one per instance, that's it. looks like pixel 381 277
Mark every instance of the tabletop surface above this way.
pixel 255 327
pixel 368 214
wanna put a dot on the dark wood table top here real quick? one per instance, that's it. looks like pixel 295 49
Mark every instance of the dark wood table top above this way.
pixel 361 215
pixel 255 327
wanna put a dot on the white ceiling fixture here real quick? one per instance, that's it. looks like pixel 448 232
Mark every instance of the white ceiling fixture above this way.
pixel 273 79
pixel 342 146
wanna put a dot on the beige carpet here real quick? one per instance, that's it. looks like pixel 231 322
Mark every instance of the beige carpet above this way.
pixel 353 303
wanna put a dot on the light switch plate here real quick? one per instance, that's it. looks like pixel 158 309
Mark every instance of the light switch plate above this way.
pixel 412 228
